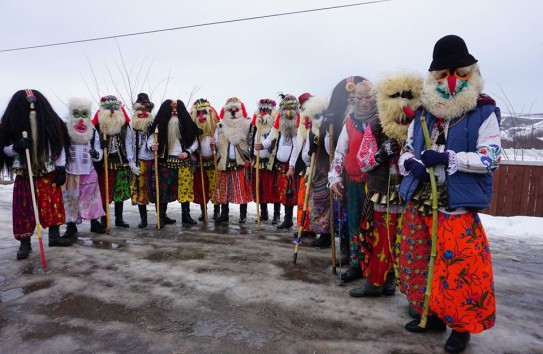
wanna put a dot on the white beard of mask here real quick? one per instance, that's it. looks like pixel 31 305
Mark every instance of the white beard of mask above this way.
pixel 80 133
pixel 174 134
pixel 287 127
pixel 457 104
pixel 234 129
pixel 142 124
pixel 111 123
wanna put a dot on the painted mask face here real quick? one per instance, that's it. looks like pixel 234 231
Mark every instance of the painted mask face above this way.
pixel 451 81
pixel 79 124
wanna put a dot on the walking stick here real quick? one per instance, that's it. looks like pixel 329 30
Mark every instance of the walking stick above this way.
pixel 257 165
pixel 106 173
pixel 156 183
pixel 202 177
pixel 35 205
pixel 332 228
pixel 431 171
pixel 306 199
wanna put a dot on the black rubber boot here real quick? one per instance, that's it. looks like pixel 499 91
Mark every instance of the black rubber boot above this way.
pixel 164 219
pixel 143 216
pixel 264 212
pixel 55 240
pixel 457 342
pixel 242 213
pixel 354 273
pixel 324 241
pixel 276 213
pixel 344 251
pixel 97 227
pixel 71 232
pixel 287 221
pixel 119 215
pixel 202 213
pixel 24 249
pixel 389 287
pixel 185 214
pixel 224 214
pixel 216 211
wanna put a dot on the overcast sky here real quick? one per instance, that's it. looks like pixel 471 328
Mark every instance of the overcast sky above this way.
pixel 256 59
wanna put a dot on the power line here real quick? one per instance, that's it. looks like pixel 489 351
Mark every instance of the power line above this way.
pixel 193 26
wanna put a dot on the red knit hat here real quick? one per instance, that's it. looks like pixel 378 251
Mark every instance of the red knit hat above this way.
pixel 304 97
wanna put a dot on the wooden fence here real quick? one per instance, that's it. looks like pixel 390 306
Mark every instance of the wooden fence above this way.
pixel 518 189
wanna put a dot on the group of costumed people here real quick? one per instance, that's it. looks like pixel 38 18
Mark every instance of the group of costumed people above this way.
pixel 397 170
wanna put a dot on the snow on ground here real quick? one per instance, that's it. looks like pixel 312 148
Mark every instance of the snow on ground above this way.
pixel 234 289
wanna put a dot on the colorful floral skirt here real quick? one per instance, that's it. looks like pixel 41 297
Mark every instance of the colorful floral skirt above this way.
pixel 302 187
pixel 210 180
pixel 118 186
pixel 49 201
pixel 139 185
pixel 268 189
pixel 462 291
pixel 82 199
pixel 168 184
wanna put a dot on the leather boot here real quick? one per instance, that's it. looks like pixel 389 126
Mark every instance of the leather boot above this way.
pixel 366 290
pixel 103 219
pixel 264 212
pixel 97 227
pixel 164 219
pixel 202 213
pixel 55 240
pixel 242 213
pixel 433 323
pixel 185 214
pixel 24 249
pixel 224 214
pixel 216 211
pixel 287 221
pixel 71 232
pixel 143 216
pixel 276 213
pixel 119 215
pixel 324 241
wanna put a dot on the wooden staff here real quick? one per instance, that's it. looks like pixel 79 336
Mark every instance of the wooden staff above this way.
pixel 106 174
pixel 332 227
pixel 257 165
pixel 156 183
pixel 202 177
pixel 35 205
pixel 431 171
pixel 306 200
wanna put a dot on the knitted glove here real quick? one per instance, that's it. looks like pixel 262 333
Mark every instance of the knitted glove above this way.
pixel 432 158
pixel 94 154
pixel 21 145
pixel 134 168
pixel 388 149
pixel 60 177
pixel 417 169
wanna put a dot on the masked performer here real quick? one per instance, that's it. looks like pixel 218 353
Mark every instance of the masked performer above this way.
pixel 465 149
pixel 29 111
pixel 234 179
pixel 140 157
pixel 176 145
pixel 264 118
pixel 206 118
pixel 112 120
pixel 82 199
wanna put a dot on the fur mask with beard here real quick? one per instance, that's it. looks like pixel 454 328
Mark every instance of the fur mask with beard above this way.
pixel 205 117
pixel 312 107
pixel 142 118
pixel 234 122
pixel 449 95
pixel 398 98
pixel 111 116
pixel 288 115
pixel 79 123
